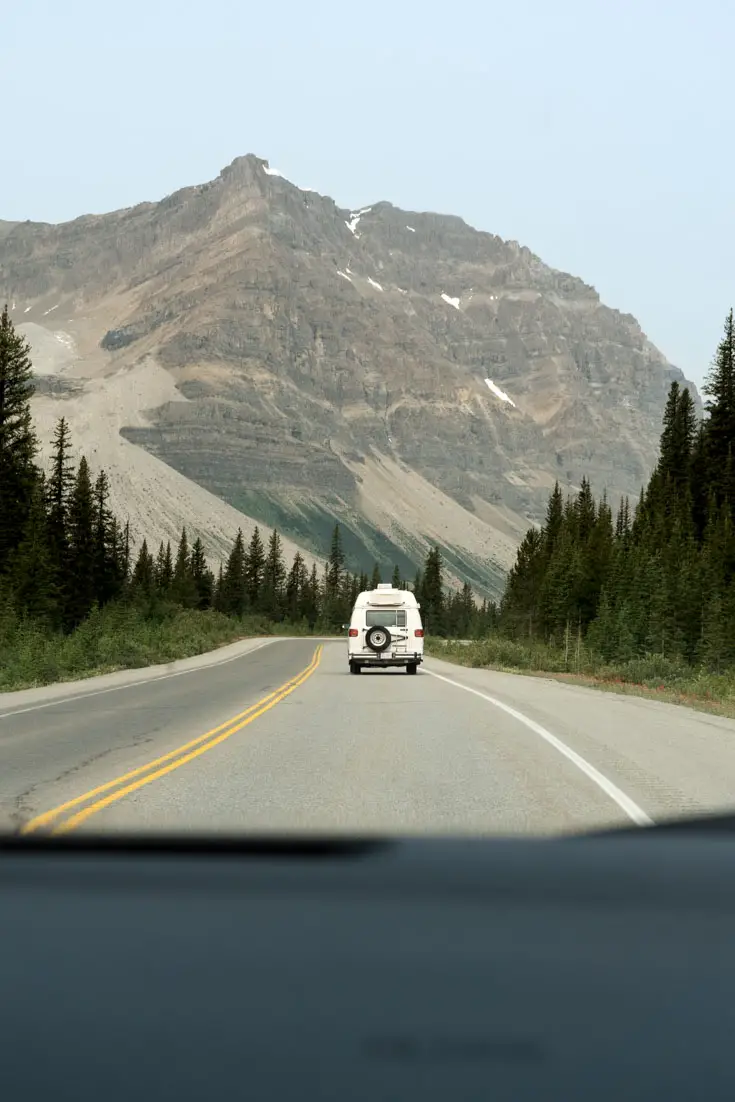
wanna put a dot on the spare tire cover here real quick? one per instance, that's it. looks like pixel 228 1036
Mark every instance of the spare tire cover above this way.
pixel 378 639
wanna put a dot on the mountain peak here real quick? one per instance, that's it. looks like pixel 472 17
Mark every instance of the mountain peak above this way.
pixel 400 371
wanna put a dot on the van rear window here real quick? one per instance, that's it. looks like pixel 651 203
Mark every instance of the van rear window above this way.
pixel 386 618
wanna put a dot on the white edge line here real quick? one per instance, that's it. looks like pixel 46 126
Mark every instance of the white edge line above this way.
pixel 134 684
pixel 630 807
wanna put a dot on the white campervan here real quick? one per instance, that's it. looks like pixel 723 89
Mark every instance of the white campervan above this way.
pixel 385 630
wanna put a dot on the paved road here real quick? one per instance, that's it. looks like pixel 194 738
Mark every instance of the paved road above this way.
pixel 276 735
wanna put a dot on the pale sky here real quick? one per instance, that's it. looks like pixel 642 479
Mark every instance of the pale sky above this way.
pixel 597 132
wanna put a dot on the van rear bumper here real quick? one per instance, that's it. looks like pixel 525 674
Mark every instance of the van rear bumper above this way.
pixel 379 660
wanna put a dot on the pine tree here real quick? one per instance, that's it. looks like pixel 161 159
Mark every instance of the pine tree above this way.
pixel 585 513
pixel 233 587
pixel 396 579
pixel 274 579
pixel 600 637
pixel 164 569
pixel 555 603
pixel 183 591
pixel 677 439
pixel 464 613
pixel 32 575
pixel 595 566
pixel 699 482
pixel 622 521
pixel 81 595
pixel 142 582
pixel 554 520
pixel 432 604
pixel 18 470
pixel 296 583
pixel 124 554
pixel 375 578
pixel 218 599
pixel 522 601
pixel 715 647
pixel 254 567
pixel 310 609
pixel 106 570
pixel 336 561
pixel 719 387
pixel 201 575
pixel 59 489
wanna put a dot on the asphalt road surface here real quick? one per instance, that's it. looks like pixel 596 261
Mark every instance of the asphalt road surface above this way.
pixel 276 736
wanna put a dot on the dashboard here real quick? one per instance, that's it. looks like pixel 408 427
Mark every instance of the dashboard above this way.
pixel 598 967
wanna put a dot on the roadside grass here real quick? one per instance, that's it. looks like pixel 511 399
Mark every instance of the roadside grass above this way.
pixel 119 637
pixel 653 676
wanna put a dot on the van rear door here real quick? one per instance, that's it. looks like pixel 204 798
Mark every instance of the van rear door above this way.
pixel 395 620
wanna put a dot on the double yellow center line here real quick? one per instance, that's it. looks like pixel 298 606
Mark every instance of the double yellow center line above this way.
pixel 97 799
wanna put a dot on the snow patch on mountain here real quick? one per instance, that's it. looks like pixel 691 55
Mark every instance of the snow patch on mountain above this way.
pixel 500 393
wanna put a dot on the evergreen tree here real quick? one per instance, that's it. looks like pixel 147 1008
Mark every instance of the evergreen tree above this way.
pixel 699 482
pixel 124 556
pixel 274 579
pixel 143 580
pixel 164 569
pixel 600 637
pixel 81 595
pixel 521 602
pixel 201 575
pixel 336 562
pixel 719 387
pixel 106 570
pixel 18 470
pixel 554 520
pixel 218 600
pixel 432 604
pixel 309 610
pixel 677 439
pixel 585 513
pixel 32 576
pixel 296 583
pixel 183 590
pixel 233 587
pixel 715 649
pixel 396 579
pixel 254 567
pixel 59 489
pixel 463 613
pixel 622 521
pixel 375 578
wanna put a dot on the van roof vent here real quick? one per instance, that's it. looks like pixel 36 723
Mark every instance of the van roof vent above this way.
pixel 384 585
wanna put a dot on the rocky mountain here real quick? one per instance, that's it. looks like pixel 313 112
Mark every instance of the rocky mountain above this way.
pixel 249 344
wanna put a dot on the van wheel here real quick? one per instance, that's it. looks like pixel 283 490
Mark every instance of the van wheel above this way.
pixel 354 668
pixel 411 667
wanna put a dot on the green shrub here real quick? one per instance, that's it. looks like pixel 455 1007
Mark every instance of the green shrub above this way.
pixel 655 672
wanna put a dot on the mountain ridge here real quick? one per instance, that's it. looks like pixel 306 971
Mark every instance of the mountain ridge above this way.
pixel 383 367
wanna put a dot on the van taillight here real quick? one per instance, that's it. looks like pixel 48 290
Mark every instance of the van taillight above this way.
pixel 354 633
pixel 419 633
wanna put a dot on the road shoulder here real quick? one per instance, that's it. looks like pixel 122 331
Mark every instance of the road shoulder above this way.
pixel 12 702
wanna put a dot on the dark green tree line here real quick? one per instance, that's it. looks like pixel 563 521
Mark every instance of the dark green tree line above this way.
pixel 658 579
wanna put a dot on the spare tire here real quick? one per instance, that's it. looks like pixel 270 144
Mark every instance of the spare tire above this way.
pixel 378 639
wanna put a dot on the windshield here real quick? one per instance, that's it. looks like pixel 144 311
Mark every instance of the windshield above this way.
pixel 455 326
